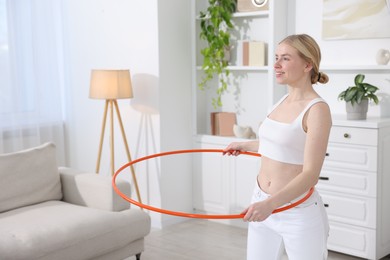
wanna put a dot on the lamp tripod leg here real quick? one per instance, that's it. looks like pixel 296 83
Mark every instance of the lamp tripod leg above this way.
pixel 112 136
pixel 127 151
pixel 101 138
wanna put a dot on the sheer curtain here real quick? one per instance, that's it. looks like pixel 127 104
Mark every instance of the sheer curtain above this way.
pixel 31 75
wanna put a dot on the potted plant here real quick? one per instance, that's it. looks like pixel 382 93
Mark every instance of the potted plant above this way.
pixel 357 97
pixel 215 26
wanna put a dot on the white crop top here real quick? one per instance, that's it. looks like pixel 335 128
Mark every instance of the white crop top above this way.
pixel 284 142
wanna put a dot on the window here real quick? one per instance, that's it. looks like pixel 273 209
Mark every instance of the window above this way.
pixel 31 73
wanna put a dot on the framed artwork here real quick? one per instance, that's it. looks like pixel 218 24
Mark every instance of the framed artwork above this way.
pixel 355 19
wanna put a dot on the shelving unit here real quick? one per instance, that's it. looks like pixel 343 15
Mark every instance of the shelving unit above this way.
pixel 252 89
pixel 252 14
pixel 219 186
pixel 356 68
pixel 242 68
pixel 246 14
pixel 342 76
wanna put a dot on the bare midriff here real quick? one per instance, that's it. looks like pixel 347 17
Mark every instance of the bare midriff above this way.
pixel 274 175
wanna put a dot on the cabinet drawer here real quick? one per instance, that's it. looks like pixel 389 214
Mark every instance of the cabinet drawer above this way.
pixel 352 240
pixel 353 135
pixel 347 181
pixel 351 157
pixel 359 211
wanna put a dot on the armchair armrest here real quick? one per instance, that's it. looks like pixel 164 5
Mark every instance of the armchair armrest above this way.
pixel 92 190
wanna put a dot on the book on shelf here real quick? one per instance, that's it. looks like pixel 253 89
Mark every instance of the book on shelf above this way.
pixel 251 53
pixel 222 123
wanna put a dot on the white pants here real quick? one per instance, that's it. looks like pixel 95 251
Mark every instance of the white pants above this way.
pixel 302 231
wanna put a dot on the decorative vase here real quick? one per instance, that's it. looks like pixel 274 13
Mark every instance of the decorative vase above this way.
pixel 382 57
pixel 259 3
pixel 357 111
pixel 243 132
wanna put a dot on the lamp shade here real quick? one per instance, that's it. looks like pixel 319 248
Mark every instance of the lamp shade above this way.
pixel 110 84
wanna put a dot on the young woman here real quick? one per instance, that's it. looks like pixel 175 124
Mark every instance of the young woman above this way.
pixel 293 140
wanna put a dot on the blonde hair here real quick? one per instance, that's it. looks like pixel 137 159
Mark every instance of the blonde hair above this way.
pixel 309 50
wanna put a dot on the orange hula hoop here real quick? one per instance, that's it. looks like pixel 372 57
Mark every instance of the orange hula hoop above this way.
pixel 191 215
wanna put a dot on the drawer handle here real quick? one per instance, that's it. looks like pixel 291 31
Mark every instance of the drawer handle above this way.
pixel 326 205
pixel 327 154
pixel 346 135
pixel 324 178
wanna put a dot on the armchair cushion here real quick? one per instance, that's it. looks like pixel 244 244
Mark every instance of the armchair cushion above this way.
pixel 29 177
pixel 92 190
pixel 59 230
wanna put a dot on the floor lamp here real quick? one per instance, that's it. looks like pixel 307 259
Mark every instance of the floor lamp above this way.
pixel 112 85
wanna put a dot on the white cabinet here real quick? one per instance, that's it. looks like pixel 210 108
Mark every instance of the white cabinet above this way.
pixel 355 187
pixel 222 184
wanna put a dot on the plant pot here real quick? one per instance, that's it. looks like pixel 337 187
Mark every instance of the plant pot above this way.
pixel 357 111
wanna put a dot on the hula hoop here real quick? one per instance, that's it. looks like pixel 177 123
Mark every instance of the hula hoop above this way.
pixel 191 215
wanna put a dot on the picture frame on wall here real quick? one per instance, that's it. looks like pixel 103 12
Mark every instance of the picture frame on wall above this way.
pixel 355 19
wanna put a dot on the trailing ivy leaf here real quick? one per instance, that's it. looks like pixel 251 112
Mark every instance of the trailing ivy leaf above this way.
pixel 215 25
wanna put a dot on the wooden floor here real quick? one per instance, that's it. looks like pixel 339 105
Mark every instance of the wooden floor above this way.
pixel 203 240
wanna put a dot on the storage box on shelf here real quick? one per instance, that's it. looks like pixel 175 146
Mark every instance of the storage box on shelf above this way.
pixel 354 184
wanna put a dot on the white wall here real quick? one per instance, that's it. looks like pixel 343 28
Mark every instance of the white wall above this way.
pixel 106 34
pixel 153 41
pixel 335 52
pixel 308 19
pixel 175 80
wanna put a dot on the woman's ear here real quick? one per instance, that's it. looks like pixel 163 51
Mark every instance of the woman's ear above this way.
pixel 308 67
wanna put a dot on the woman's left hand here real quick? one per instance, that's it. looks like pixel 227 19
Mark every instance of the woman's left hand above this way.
pixel 258 211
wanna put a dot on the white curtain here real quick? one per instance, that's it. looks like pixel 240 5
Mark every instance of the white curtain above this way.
pixel 31 75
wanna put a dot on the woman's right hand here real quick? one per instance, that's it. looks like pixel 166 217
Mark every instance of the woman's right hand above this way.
pixel 234 148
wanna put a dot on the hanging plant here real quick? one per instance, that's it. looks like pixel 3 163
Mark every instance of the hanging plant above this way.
pixel 215 25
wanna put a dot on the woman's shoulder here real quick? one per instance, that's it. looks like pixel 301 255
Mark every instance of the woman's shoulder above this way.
pixel 319 111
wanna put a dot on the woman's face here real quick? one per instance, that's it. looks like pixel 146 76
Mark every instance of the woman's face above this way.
pixel 289 67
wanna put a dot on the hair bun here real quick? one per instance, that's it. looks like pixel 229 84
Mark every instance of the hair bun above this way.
pixel 322 78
